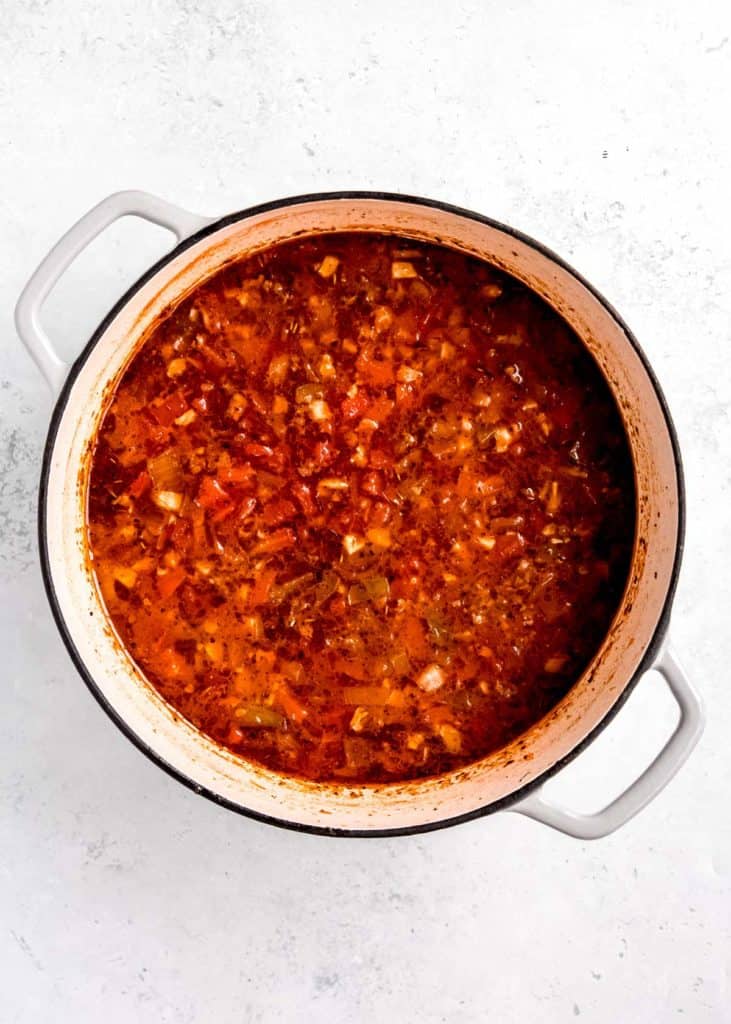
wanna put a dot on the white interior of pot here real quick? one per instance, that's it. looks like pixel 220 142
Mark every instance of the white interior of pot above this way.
pixel 397 805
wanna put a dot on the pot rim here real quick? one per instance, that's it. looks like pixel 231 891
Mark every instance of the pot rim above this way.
pixel 86 674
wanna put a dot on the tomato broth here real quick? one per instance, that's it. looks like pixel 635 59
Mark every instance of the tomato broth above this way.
pixel 361 508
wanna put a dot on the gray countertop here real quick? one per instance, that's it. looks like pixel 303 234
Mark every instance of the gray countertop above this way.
pixel 602 130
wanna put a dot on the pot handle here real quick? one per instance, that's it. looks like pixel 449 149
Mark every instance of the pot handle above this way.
pixel 120 204
pixel 644 789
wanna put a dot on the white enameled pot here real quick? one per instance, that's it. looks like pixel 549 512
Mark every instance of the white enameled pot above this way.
pixel 509 779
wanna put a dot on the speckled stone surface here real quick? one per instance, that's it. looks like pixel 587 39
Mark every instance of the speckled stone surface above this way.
pixel 601 129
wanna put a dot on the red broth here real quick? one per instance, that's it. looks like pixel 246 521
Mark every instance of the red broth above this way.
pixel 361 508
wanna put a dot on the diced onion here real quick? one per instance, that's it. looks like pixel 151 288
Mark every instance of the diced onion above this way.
pixel 554 498
pixel 326 367
pixel 320 410
pixel 555 664
pixel 352 543
pixel 407 375
pixel 214 651
pixel 359 720
pixel 236 407
pixel 278 369
pixel 307 393
pixel 127 577
pixel 451 738
pixel 480 398
pixel 359 456
pixel 383 318
pixel 431 679
pixel 165 470
pixel 331 483
pixel 503 438
pixel 177 367
pixel 402 268
pixel 170 501
pixel 328 266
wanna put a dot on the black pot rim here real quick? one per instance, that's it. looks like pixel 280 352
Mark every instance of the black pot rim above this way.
pixel 85 673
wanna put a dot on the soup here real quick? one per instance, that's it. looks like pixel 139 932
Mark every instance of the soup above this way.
pixel 361 508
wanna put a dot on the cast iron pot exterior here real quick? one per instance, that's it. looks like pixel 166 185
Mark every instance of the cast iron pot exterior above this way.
pixel 511 778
